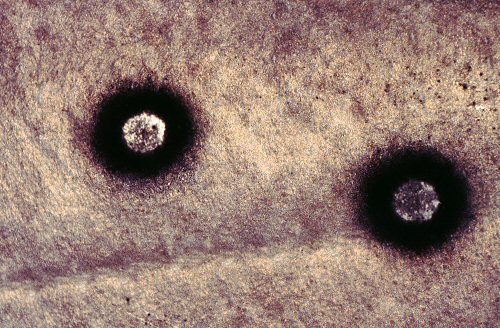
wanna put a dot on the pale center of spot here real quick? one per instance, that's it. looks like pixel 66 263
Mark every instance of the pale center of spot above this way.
pixel 144 132
pixel 416 201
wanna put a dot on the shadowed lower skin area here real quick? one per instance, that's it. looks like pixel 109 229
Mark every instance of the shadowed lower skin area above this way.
pixel 255 221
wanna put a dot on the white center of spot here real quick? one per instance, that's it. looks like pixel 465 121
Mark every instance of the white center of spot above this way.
pixel 144 132
pixel 416 201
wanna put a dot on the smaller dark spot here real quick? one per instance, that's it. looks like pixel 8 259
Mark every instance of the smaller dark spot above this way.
pixel 438 81
pixel 468 130
pixel 481 74
pixel 387 87
pixel 127 299
pixel 385 178
pixel 485 98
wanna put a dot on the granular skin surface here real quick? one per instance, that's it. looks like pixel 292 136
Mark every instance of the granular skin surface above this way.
pixel 260 228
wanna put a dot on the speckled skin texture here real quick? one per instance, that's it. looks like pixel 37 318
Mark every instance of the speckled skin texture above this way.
pixel 261 227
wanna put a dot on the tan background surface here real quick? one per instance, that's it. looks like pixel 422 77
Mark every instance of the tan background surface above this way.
pixel 261 229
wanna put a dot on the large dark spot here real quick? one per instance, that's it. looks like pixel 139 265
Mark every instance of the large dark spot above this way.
pixel 390 174
pixel 116 109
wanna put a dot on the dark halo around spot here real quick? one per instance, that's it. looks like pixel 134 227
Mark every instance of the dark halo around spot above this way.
pixel 381 182
pixel 110 145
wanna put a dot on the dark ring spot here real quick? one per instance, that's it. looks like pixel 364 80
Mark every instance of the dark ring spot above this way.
pixel 110 145
pixel 382 181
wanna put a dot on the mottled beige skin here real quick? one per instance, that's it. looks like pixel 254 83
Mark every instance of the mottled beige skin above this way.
pixel 261 227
